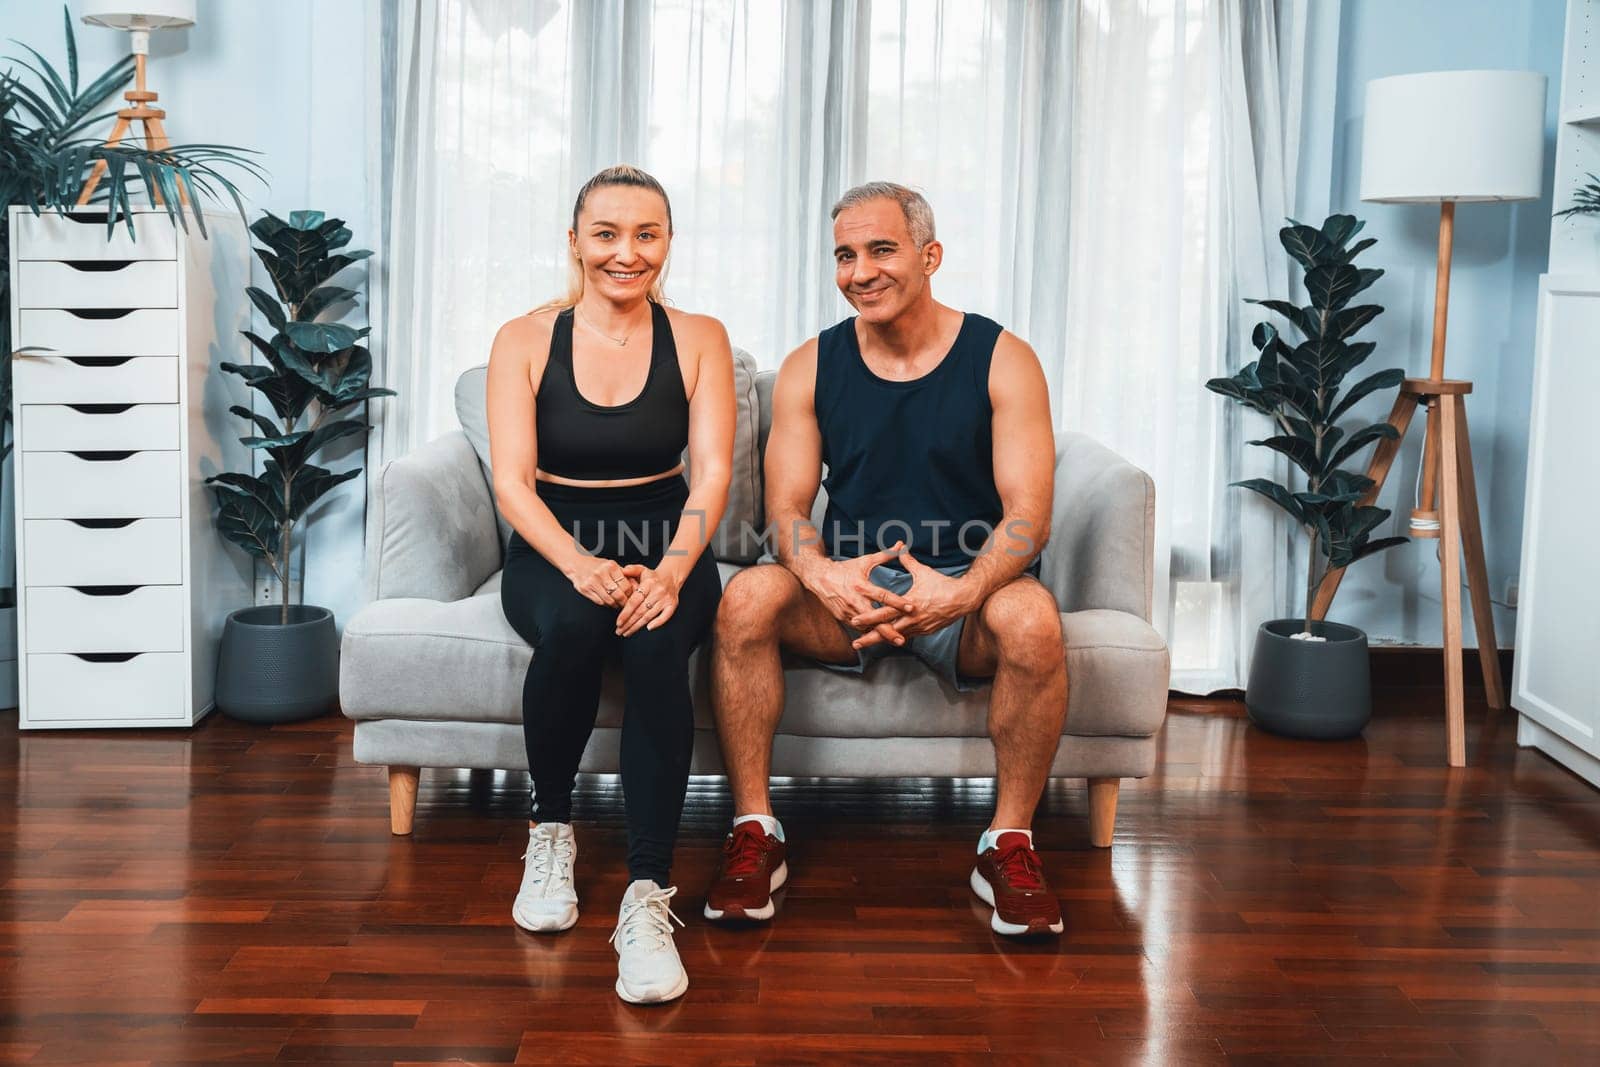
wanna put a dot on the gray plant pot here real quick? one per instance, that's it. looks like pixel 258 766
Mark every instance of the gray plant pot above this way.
pixel 269 671
pixel 1314 690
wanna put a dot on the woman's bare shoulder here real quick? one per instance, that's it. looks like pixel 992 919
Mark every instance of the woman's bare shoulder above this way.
pixel 702 331
pixel 526 332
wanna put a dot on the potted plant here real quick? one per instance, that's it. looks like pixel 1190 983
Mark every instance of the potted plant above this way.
pixel 1586 201
pixel 279 663
pixel 1311 678
pixel 46 156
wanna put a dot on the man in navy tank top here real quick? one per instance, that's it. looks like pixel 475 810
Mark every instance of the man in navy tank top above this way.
pixel 935 429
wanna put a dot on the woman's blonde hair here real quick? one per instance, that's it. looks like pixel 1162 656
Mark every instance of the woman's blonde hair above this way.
pixel 621 174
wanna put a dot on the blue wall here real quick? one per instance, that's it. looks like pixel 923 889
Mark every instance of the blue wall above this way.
pixel 1500 251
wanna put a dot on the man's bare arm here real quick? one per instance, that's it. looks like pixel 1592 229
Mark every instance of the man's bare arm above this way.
pixel 793 476
pixel 793 470
pixel 1024 466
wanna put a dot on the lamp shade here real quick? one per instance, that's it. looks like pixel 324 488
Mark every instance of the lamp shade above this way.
pixel 139 14
pixel 1454 135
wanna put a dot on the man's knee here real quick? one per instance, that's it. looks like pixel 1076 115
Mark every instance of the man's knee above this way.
pixel 752 602
pixel 1025 624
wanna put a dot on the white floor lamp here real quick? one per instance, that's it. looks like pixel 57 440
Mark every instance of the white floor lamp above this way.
pixel 1440 138
pixel 139 17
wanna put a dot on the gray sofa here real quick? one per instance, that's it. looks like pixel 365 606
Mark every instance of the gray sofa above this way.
pixel 432 673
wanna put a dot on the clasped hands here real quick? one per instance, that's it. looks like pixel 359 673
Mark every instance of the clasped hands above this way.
pixel 845 588
pixel 644 597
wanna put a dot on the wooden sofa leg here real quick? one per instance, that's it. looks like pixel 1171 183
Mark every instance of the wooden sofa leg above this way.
pixel 1102 810
pixel 402 798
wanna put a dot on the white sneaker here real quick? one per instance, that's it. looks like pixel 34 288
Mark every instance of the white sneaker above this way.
pixel 648 968
pixel 547 900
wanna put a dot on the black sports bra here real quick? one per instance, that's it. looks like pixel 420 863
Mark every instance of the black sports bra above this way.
pixel 645 436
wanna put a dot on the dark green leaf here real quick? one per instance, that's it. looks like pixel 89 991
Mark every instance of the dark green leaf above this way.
pixel 1384 379
pixel 316 338
pixel 1275 493
pixel 1303 319
pixel 1337 229
pixel 319 299
pixel 267 426
pixel 1300 453
pixel 268 307
pixel 312 483
pixel 1307 245
pixel 1378 545
pixel 1378 431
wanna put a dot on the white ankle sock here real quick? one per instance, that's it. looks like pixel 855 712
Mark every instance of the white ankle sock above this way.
pixel 768 823
pixel 992 837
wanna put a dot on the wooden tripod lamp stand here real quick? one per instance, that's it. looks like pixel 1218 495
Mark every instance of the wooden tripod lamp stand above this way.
pixel 1440 138
pixel 139 17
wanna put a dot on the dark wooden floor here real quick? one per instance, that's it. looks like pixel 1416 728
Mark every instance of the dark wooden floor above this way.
pixel 233 894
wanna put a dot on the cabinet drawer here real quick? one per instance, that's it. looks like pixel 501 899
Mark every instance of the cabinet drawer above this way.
pixel 88 427
pixel 135 552
pixel 95 379
pixel 63 687
pixel 96 283
pixel 113 332
pixel 143 618
pixel 100 485
pixel 83 236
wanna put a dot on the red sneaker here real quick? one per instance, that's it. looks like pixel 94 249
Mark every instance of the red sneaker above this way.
pixel 1010 879
pixel 753 867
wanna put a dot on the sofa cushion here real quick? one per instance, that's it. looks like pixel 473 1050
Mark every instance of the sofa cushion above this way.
pixel 427 660
pixel 423 659
pixel 734 538
pixel 1116 681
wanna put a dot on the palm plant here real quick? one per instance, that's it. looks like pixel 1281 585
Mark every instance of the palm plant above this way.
pixel 1298 388
pixel 47 154
pixel 1586 201
pixel 306 361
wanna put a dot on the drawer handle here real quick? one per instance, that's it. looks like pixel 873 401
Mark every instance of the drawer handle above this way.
pixel 97 265
pixel 103 524
pixel 85 217
pixel 104 590
pixel 104 455
pixel 100 409
pixel 98 361
pixel 99 313
pixel 104 657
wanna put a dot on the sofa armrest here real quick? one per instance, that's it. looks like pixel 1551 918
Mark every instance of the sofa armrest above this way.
pixel 1101 552
pixel 431 527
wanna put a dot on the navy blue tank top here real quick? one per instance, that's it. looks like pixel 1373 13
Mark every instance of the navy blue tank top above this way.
pixel 908 461
pixel 645 436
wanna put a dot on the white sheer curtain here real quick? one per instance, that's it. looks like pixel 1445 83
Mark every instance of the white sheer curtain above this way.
pixel 1108 177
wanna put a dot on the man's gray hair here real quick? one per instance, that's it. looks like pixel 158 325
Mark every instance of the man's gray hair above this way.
pixel 918 213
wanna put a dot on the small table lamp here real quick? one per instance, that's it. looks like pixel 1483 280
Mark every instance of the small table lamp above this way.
pixel 139 17
pixel 1439 138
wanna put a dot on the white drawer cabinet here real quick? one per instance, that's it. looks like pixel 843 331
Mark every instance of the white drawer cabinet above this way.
pixel 97 283
pixel 101 618
pixel 101 427
pixel 95 379
pixel 102 552
pixel 94 689
pixel 82 235
pixel 98 331
pixel 123 582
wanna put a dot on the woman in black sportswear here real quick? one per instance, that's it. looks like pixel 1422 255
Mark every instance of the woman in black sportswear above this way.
pixel 592 400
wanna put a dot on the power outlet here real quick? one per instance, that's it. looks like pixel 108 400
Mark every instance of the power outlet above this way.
pixel 269 591
pixel 1511 592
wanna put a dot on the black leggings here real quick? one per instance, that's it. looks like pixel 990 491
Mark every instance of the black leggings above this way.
pixel 573 637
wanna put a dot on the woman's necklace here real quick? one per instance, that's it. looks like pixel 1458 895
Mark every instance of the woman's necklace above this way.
pixel 590 323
